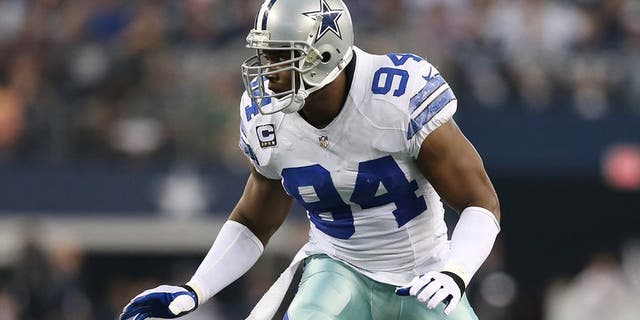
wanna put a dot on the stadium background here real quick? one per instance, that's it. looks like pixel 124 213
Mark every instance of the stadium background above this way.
pixel 119 158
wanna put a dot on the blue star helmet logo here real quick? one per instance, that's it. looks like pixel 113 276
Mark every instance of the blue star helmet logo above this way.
pixel 329 19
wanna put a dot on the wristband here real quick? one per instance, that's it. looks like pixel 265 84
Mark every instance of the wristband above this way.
pixel 471 242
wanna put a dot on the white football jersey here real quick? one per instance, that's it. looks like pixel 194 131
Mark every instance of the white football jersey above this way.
pixel 368 204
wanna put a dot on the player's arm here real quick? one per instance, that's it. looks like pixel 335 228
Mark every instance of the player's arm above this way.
pixel 454 168
pixel 263 207
pixel 261 210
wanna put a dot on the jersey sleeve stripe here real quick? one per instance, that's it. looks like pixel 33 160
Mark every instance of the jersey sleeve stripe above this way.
pixel 428 101
pixel 429 112
pixel 432 85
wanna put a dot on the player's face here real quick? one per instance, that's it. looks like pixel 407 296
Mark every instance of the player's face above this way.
pixel 279 81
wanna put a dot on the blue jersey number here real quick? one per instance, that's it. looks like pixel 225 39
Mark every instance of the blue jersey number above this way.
pixel 390 74
pixel 338 218
pixel 400 191
pixel 340 223
pixel 399 59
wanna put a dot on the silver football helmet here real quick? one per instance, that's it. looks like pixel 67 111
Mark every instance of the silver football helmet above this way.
pixel 319 36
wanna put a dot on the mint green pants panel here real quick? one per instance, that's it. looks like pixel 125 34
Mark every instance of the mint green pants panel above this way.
pixel 331 290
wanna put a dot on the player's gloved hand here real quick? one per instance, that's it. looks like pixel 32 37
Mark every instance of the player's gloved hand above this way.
pixel 435 287
pixel 161 302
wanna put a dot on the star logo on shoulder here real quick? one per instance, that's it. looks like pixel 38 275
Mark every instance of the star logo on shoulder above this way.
pixel 329 19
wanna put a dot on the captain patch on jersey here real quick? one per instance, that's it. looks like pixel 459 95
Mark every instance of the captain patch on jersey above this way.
pixel 266 135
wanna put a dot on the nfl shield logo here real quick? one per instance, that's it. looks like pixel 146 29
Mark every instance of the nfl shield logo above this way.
pixel 324 141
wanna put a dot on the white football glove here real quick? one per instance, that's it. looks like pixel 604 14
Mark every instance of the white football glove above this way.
pixel 435 287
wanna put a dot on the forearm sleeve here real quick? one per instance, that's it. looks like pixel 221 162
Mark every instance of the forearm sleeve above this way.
pixel 233 253
pixel 471 242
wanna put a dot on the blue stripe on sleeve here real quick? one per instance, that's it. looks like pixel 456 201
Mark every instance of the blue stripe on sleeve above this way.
pixel 429 112
pixel 432 85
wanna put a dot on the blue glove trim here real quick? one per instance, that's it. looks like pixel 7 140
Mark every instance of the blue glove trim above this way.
pixel 404 291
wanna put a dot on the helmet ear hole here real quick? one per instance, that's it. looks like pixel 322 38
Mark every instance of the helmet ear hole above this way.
pixel 326 56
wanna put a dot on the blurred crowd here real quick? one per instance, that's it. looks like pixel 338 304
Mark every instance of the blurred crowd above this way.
pixel 158 79
pixel 608 287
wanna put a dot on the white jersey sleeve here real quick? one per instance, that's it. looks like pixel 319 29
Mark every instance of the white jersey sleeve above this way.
pixel 417 91
pixel 414 96
pixel 432 104
pixel 256 139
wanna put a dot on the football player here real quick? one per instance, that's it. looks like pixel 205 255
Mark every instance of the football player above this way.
pixel 368 146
